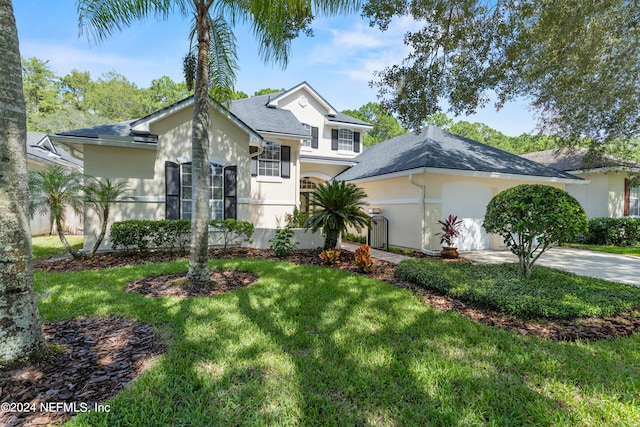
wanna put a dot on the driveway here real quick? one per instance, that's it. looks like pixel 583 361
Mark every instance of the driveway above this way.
pixel 617 268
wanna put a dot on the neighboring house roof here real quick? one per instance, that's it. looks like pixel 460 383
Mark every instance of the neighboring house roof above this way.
pixel 438 151
pixel 41 149
pixel 136 132
pixel 255 113
pixel 578 159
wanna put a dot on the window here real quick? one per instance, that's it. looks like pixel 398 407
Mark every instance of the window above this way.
pixel 216 193
pixel 345 140
pixel 634 201
pixel 307 185
pixel 307 142
pixel 269 160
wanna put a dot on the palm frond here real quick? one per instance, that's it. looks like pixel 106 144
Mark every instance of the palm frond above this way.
pixel 99 19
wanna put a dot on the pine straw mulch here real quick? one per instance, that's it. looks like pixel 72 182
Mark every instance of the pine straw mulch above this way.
pixel 99 356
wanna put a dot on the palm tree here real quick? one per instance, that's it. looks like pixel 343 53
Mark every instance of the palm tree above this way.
pixel 52 191
pixel 213 62
pixel 100 195
pixel 340 207
pixel 20 328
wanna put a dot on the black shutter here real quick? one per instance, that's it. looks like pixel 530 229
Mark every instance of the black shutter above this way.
pixel 314 137
pixel 254 160
pixel 230 192
pixel 356 142
pixel 285 161
pixel 172 190
pixel 334 139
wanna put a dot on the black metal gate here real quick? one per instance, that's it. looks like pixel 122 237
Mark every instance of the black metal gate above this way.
pixel 378 236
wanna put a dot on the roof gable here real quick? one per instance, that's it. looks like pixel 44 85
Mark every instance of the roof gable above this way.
pixel 305 89
pixel 434 148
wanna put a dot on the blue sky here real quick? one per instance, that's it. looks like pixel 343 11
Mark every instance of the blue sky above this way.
pixel 338 61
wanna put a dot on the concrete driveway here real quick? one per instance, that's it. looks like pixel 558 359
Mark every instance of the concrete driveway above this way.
pixel 617 268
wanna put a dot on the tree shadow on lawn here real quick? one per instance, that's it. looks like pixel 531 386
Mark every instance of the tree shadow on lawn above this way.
pixel 363 356
pixel 318 346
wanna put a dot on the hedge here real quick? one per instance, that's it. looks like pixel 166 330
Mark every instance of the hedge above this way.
pixel 612 232
pixel 173 234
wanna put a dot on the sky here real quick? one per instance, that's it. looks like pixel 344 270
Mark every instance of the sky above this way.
pixel 338 61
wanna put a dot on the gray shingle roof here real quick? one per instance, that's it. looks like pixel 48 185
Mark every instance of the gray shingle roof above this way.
pixel 576 159
pixel 436 148
pixel 40 152
pixel 114 129
pixel 343 118
pixel 255 113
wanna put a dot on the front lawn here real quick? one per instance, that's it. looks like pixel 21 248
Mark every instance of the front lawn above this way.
pixel 547 293
pixel 620 250
pixel 47 246
pixel 314 346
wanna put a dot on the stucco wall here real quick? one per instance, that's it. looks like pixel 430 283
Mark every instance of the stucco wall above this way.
pixel 402 201
pixel 144 170
pixel 603 196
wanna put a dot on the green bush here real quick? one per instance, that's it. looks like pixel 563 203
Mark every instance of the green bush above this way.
pixel 348 237
pixel 531 218
pixel 142 234
pixel 283 242
pixel 232 231
pixel 297 219
pixel 546 293
pixel 612 232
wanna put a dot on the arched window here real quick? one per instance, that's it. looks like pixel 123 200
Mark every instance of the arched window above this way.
pixel 216 194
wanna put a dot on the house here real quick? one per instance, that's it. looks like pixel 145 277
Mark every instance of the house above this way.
pixel 611 192
pixel 416 179
pixel 41 153
pixel 266 154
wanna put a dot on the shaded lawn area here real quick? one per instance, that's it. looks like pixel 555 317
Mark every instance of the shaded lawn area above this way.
pixel 47 246
pixel 314 346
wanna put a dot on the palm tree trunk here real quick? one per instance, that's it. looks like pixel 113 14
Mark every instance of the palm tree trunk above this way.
pixel 21 331
pixel 199 258
pixel 64 241
pixel 331 239
pixel 103 232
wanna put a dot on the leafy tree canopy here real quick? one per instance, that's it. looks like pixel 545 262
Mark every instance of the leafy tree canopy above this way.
pixel 577 62
pixel 385 126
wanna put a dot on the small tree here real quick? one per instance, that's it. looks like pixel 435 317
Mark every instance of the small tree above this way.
pixel 531 218
pixel 100 195
pixel 338 205
pixel 51 191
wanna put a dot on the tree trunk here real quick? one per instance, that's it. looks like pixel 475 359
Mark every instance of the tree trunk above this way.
pixel 200 129
pixel 331 239
pixel 20 328
pixel 103 232
pixel 64 241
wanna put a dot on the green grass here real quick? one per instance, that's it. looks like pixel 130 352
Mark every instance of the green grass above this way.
pixel 620 250
pixel 307 346
pixel 547 293
pixel 47 246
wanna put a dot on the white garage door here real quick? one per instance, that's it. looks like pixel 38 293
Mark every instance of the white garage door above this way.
pixel 469 202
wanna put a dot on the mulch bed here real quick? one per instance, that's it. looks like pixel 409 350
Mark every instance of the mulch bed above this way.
pixel 94 359
pixel 102 355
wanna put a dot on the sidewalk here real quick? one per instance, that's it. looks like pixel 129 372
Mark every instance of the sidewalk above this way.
pixel 375 253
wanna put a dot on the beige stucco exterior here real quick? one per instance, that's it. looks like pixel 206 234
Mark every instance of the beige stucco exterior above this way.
pixel 414 203
pixel 603 196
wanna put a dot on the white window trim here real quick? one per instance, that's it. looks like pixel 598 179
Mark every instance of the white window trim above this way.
pixel 278 162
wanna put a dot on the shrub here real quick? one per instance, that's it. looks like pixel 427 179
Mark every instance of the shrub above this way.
pixel 297 219
pixel 330 256
pixel 451 228
pixel 531 218
pixel 612 232
pixel 232 231
pixel 362 259
pixel 142 234
pixel 353 238
pixel 283 242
